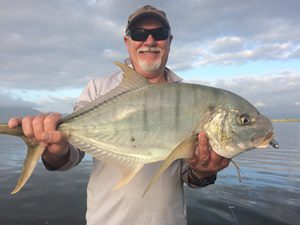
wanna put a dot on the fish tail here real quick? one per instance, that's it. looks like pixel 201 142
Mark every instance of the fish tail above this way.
pixel 34 152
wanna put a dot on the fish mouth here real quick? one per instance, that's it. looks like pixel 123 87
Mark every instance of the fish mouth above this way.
pixel 263 142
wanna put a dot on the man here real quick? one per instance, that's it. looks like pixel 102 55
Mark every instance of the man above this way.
pixel 148 40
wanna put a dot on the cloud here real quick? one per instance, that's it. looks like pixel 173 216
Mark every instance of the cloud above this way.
pixel 259 104
pixel 6 100
pixel 53 45
pixel 230 51
pixel 225 44
pixel 46 102
pixel 56 104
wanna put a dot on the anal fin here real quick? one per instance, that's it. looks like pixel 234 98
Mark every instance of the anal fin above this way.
pixel 127 165
pixel 184 150
pixel 128 172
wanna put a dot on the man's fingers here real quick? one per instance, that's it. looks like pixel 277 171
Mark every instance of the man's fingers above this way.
pixel 54 137
pixel 193 161
pixel 216 158
pixel 206 161
pixel 38 126
pixel 219 161
pixel 43 128
pixel 51 121
pixel 27 126
pixel 202 141
pixel 56 141
pixel 14 122
pixel 201 155
pixel 35 126
pixel 203 148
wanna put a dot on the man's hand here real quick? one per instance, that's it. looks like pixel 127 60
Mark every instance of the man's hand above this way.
pixel 205 161
pixel 43 128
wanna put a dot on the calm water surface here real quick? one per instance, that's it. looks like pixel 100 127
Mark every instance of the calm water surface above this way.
pixel 268 194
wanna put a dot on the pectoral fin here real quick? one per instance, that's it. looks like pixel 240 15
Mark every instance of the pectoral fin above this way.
pixel 34 152
pixel 183 150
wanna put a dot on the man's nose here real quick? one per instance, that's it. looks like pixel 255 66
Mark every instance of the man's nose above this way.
pixel 150 41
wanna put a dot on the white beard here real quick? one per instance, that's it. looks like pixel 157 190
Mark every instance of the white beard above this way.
pixel 150 66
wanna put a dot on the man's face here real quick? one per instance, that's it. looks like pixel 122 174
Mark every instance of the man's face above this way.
pixel 149 57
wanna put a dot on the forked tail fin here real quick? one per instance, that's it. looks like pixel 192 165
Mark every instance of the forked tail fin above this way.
pixel 34 152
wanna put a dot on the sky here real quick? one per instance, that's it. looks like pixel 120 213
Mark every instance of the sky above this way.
pixel 49 50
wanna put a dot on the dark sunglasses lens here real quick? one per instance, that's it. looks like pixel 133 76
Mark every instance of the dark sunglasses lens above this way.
pixel 160 34
pixel 139 35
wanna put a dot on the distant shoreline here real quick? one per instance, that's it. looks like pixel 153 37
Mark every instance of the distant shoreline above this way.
pixel 285 120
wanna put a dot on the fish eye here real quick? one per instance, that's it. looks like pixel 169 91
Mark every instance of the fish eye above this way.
pixel 244 119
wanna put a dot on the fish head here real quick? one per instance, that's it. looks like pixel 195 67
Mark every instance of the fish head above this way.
pixel 236 127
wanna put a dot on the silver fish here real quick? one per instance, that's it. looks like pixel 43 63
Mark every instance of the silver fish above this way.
pixel 139 123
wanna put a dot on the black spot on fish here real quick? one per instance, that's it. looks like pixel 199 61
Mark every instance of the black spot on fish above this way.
pixel 211 108
pixel 132 139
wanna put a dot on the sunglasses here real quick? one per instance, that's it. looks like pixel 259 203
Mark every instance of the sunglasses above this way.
pixel 141 34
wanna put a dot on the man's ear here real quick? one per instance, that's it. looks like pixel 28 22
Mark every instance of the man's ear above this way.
pixel 171 38
pixel 126 41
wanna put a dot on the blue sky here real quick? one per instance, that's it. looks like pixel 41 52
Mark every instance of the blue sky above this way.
pixel 50 49
pixel 250 68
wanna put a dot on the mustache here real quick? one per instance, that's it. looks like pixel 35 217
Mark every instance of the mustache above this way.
pixel 149 49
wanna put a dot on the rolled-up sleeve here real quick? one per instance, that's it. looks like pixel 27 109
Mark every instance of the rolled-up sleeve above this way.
pixel 75 157
pixel 192 180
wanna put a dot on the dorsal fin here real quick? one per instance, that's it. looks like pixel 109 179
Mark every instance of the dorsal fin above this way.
pixel 131 81
pixel 132 77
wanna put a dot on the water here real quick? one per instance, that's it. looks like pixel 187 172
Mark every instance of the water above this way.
pixel 268 194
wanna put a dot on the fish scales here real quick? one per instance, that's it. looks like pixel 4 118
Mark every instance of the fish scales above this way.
pixel 138 123
pixel 135 111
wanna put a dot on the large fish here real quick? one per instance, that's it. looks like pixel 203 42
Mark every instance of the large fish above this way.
pixel 138 123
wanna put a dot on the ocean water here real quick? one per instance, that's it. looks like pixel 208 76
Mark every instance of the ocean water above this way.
pixel 268 194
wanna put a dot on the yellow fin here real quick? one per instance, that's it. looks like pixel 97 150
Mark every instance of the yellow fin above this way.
pixel 184 150
pixel 34 152
pixel 128 173
pixel 131 79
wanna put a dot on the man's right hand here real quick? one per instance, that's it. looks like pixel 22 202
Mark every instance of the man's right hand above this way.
pixel 43 128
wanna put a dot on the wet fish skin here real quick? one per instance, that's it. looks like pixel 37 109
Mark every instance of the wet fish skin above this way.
pixel 139 123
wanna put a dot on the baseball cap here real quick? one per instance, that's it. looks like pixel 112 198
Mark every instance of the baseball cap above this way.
pixel 147 10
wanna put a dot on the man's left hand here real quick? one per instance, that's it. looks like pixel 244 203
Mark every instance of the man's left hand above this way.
pixel 205 162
